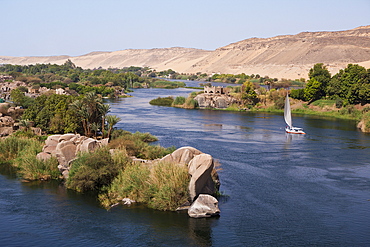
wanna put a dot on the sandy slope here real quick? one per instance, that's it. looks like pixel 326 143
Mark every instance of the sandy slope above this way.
pixel 288 56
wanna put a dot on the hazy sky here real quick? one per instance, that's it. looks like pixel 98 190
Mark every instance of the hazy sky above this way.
pixel 77 27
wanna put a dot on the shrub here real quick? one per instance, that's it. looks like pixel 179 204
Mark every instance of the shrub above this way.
pixel 21 153
pixel 167 101
pixel 131 183
pixel 366 119
pixel 191 103
pixel 92 171
pixel 280 103
pixel 137 145
pixel 167 84
pixel 338 103
pixel 31 168
pixel 165 187
pixel 351 111
pixel 168 186
pixel 11 146
pixel 297 94
pixel 179 100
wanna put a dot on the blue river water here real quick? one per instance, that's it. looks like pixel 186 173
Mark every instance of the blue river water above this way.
pixel 279 189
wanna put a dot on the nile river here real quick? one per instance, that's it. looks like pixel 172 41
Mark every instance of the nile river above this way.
pixel 279 189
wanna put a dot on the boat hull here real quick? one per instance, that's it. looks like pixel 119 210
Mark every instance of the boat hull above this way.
pixel 294 130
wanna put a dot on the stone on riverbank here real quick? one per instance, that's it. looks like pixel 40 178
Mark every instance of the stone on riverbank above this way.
pixel 204 206
pixel 201 168
pixel 66 147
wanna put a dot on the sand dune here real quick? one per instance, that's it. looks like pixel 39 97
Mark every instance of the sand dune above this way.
pixel 287 56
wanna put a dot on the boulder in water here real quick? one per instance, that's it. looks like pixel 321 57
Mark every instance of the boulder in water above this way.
pixel 204 206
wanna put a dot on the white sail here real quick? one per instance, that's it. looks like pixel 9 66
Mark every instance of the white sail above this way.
pixel 287 113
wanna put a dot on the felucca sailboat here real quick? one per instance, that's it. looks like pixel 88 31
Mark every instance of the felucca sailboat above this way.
pixel 288 119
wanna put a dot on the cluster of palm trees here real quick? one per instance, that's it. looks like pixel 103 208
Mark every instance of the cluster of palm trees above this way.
pixel 93 114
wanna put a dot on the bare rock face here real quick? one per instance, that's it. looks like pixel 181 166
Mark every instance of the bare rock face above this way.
pixel 362 126
pixel 6 121
pixel 52 140
pixel 200 169
pixel 43 156
pixel 182 155
pixel 4 108
pixel 204 206
pixel 65 151
pixel 5 131
pixel 89 145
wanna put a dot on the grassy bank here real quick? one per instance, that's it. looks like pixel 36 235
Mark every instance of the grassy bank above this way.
pixel 163 187
pixel 20 153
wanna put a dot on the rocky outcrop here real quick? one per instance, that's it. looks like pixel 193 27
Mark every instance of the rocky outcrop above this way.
pixel 182 155
pixel 204 206
pixel 200 170
pixel 66 147
pixel 362 126
pixel 201 166
pixel 218 101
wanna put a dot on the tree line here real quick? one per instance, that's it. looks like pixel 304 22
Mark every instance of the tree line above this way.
pixel 60 114
pixel 349 86
pixel 68 73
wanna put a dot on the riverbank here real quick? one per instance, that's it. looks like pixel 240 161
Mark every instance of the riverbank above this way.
pixel 320 108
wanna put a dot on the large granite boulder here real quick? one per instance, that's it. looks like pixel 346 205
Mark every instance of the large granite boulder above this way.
pixel 66 147
pixel 204 206
pixel 88 145
pixel 200 169
pixel 65 151
pixel 182 155
pixel 362 126
pixel 5 131
pixel 6 121
pixel 4 108
pixel 43 156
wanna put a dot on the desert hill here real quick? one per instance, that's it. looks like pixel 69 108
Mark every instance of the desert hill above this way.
pixel 286 56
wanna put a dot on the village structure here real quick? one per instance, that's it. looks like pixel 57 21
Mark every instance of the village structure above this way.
pixel 216 90
pixel 215 97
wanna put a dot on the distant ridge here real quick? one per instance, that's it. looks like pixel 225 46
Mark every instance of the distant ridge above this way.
pixel 285 56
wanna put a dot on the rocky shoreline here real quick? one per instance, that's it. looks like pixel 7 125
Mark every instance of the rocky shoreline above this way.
pixel 204 180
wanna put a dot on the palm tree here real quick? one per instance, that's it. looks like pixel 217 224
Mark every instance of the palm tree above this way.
pixel 95 127
pixel 112 120
pixel 103 110
pixel 81 113
pixel 25 123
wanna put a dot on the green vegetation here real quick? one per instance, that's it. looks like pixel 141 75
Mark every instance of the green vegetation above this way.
pixel 164 187
pixel 351 85
pixel 167 84
pixel 68 74
pixel 20 153
pixel 61 114
pixel 109 174
pixel 179 101
pixel 166 101
pixel 332 96
pixel 137 144
pixel 92 171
